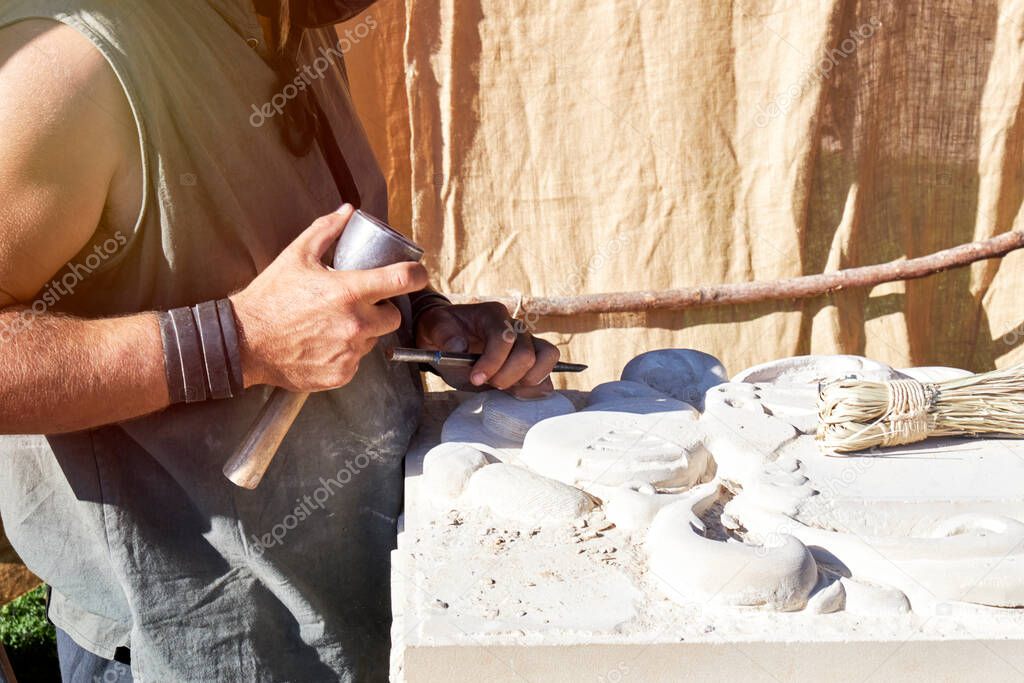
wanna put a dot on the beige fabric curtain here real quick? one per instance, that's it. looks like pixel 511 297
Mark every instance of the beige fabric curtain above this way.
pixel 586 146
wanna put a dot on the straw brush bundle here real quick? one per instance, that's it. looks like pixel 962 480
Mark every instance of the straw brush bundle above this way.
pixel 856 415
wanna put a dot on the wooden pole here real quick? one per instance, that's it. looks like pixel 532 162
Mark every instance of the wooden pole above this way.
pixel 804 287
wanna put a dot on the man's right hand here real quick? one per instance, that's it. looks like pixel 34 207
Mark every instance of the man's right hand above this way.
pixel 304 326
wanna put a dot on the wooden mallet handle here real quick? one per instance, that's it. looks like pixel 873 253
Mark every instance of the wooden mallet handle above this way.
pixel 250 462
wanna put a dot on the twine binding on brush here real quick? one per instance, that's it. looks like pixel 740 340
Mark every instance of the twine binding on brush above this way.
pixel 856 415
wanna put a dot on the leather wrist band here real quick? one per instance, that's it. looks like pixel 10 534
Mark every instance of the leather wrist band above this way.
pixel 201 354
pixel 215 361
pixel 423 301
pixel 173 367
pixel 232 347
pixel 190 351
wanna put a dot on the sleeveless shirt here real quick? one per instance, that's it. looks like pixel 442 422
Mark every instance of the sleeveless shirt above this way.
pixel 143 541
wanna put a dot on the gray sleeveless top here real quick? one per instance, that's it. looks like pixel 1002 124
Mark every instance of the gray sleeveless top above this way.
pixel 143 540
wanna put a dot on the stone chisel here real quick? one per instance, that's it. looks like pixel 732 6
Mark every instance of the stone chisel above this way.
pixel 365 243
pixel 447 359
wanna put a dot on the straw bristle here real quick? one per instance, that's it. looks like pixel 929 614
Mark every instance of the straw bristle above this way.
pixel 855 415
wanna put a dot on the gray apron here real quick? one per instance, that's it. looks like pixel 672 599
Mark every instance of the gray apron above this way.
pixel 144 542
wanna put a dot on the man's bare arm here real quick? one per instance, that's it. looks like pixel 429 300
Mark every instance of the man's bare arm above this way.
pixel 64 140
pixel 63 147
pixel 63 374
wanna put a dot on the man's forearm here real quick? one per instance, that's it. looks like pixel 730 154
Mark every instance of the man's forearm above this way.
pixel 62 374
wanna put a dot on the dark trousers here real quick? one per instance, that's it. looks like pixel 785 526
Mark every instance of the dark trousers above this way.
pixel 78 665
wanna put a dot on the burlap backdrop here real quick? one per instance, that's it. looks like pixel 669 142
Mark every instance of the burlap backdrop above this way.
pixel 576 146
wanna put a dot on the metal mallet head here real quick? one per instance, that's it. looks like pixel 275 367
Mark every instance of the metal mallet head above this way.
pixel 366 243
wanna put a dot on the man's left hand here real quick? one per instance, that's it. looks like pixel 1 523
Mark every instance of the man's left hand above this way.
pixel 512 359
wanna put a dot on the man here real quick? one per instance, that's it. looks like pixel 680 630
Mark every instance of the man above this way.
pixel 136 184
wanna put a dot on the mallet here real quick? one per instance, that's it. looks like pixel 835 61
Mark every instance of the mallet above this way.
pixel 366 243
